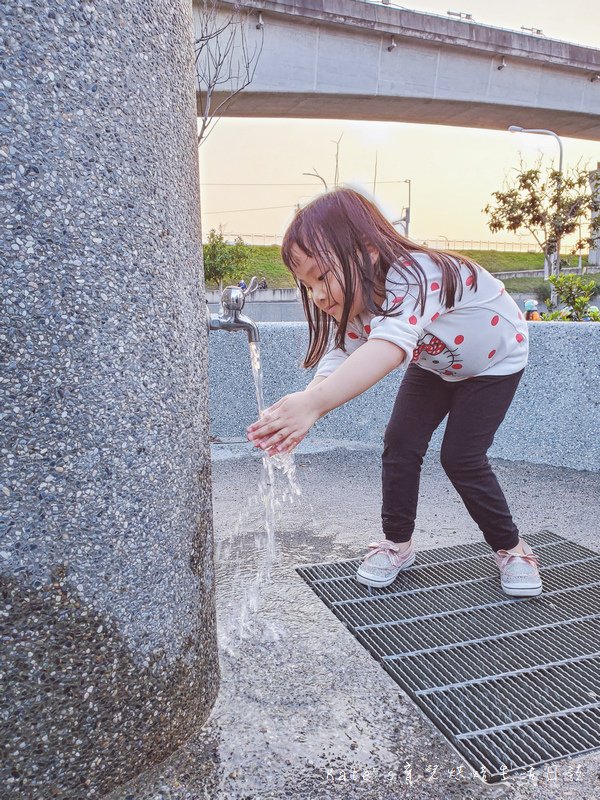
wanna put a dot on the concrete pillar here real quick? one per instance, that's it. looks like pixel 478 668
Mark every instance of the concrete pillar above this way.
pixel 594 255
pixel 109 655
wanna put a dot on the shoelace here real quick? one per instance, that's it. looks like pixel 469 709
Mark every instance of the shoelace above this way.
pixel 531 558
pixel 386 546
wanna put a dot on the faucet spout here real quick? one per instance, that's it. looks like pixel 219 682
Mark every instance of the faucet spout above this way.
pixel 232 323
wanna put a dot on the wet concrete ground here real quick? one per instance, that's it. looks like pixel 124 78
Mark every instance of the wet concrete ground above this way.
pixel 303 710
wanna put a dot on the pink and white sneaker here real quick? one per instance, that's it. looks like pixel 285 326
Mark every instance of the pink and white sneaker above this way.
pixel 519 575
pixel 381 566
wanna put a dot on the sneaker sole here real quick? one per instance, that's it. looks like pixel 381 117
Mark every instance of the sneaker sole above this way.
pixel 372 580
pixel 526 591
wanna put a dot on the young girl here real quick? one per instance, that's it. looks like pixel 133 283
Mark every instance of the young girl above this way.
pixel 387 301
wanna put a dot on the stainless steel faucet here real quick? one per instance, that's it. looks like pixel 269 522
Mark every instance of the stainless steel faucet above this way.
pixel 230 317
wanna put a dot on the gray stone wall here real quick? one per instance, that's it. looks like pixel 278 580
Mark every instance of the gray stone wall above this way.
pixel 293 311
pixel 108 617
pixel 553 419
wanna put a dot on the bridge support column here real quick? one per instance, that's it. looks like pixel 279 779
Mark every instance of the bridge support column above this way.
pixel 594 255
pixel 106 564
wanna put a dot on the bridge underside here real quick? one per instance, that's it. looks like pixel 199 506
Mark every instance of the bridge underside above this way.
pixel 427 111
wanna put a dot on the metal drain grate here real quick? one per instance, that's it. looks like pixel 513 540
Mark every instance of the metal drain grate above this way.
pixel 510 682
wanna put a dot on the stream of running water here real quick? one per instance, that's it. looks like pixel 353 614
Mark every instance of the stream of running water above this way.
pixel 277 487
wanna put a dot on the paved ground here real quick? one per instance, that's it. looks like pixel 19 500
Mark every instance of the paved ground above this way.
pixel 301 703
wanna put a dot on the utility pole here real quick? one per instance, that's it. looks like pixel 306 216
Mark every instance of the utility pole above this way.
pixel 375 174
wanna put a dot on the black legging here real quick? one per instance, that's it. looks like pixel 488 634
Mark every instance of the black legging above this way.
pixel 476 408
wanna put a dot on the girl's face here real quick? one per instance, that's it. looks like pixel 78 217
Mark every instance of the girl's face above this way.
pixel 324 287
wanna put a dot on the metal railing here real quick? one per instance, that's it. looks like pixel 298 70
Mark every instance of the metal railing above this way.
pixel 266 239
pixel 479 244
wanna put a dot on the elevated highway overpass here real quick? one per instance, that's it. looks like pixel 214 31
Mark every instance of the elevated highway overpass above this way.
pixel 346 59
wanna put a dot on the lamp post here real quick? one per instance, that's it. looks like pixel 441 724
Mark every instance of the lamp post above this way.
pixel 405 220
pixel 315 174
pixel 407 216
pixel 556 270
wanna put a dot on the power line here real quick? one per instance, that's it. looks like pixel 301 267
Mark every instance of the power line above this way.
pixel 239 210
pixel 266 208
pixel 260 184
pixel 278 184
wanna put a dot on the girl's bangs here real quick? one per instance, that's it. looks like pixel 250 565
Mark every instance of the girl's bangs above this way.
pixel 300 234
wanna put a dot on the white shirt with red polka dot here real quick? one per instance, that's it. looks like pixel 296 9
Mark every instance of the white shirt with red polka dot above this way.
pixel 484 333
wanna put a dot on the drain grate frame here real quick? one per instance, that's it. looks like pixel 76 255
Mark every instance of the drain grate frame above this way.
pixel 511 683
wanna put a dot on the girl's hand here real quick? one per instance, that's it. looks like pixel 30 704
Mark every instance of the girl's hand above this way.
pixel 284 424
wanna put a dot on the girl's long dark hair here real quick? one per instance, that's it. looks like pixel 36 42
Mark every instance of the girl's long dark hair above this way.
pixel 343 224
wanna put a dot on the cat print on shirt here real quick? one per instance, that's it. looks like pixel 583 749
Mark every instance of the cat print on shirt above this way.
pixel 432 352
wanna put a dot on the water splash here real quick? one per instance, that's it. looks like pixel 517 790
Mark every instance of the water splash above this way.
pixel 277 487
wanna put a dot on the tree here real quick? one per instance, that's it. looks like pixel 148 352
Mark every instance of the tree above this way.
pixel 549 205
pixel 223 261
pixel 225 61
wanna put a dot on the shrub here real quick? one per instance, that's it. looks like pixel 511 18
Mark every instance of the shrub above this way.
pixel 542 293
pixel 575 293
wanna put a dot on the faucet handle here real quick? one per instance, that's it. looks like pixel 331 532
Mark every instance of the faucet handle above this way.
pixel 252 287
pixel 233 297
